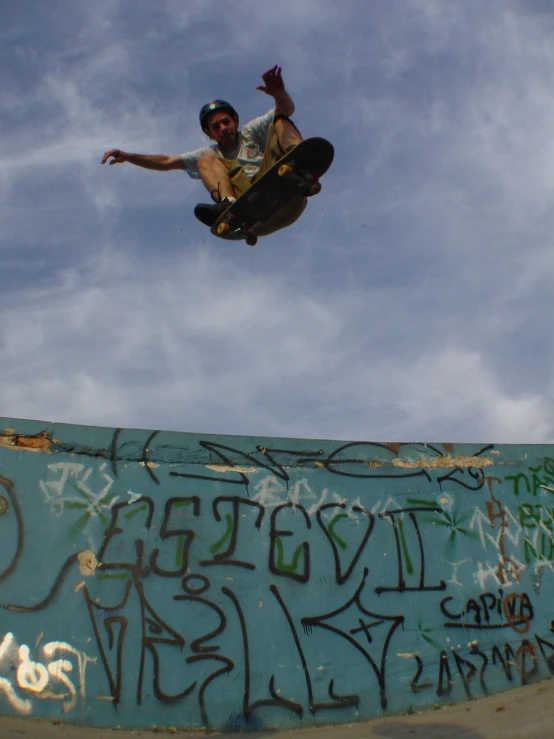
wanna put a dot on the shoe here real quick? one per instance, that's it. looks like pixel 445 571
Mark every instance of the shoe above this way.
pixel 209 213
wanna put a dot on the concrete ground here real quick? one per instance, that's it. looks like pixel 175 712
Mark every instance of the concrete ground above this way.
pixel 524 713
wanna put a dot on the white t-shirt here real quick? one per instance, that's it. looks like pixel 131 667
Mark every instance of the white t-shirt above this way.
pixel 249 151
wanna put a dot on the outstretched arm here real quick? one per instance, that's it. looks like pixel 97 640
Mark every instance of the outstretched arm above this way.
pixel 275 88
pixel 158 162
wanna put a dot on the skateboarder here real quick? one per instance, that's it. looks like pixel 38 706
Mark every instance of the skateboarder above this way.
pixel 239 156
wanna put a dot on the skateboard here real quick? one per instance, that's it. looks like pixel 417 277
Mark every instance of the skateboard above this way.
pixel 296 173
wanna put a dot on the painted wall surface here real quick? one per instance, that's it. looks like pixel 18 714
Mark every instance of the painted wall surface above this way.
pixel 165 579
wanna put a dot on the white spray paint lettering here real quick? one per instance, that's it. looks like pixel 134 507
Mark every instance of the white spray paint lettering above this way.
pixel 42 679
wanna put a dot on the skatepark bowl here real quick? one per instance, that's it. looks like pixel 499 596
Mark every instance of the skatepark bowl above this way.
pixel 231 583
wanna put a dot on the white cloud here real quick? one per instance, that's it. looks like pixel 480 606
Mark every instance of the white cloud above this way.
pixel 454 391
pixel 413 298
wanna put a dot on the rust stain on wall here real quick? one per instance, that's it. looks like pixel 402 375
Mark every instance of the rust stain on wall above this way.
pixel 231 468
pixel 87 563
pixel 24 443
pixel 374 464
pixel 444 461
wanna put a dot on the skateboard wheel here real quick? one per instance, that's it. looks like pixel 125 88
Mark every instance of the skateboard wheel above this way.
pixel 251 239
pixel 223 228
pixel 285 170
pixel 315 188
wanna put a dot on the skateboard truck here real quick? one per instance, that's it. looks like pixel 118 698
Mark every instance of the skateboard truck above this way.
pixel 301 177
pixel 247 231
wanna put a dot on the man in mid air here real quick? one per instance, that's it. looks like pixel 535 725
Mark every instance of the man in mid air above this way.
pixel 239 157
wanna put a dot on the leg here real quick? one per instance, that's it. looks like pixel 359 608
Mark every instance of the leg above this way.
pixel 222 178
pixel 287 133
pixel 281 135
pixel 215 177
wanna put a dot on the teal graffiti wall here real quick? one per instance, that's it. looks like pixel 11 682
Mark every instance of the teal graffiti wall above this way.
pixel 167 579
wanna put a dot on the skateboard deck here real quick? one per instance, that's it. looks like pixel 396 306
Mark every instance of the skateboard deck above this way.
pixel 296 173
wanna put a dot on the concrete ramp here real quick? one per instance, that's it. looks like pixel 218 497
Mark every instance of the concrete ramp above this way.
pixel 155 579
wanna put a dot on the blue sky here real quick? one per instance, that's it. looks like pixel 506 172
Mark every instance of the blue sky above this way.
pixel 412 301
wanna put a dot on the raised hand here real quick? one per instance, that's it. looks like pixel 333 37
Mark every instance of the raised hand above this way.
pixel 273 82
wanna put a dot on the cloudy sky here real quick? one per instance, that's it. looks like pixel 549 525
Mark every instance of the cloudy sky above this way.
pixel 413 301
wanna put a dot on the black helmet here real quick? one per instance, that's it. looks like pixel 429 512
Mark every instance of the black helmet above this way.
pixel 211 108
